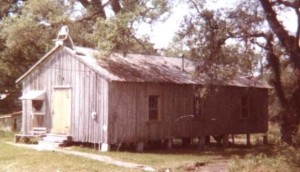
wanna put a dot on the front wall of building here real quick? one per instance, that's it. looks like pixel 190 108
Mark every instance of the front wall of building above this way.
pixel 88 96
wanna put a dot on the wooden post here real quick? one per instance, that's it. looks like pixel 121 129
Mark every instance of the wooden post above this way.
pixel 186 142
pixel 169 143
pixel 265 139
pixel 105 147
pixel 140 147
pixel 201 142
pixel 207 139
pixel 248 139
pixel 225 140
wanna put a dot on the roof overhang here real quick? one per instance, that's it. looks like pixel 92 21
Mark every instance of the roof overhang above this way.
pixel 34 95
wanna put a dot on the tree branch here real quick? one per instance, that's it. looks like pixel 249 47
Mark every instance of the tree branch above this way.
pixel 94 7
pixel 287 3
pixel 290 43
pixel 115 4
pixel 298 22
pixel 274 62
pixel 196 7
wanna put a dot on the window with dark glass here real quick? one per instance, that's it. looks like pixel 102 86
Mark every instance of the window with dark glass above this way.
pixel 37 105
pixel 153 108
pixel 197 107
pixel 245 107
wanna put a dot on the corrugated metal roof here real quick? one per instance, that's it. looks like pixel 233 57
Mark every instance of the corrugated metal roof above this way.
pixel 144 68
pixel 148 68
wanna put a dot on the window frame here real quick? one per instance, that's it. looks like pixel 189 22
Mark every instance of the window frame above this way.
pixel 38 107
pixel 156 107
pixel 245 107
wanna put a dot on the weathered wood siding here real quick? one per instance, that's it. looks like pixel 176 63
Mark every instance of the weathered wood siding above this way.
pixel 128 112
pixel 89 94
pixel 221 112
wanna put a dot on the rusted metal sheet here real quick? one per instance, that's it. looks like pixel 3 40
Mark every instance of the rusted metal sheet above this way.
pixel 159 69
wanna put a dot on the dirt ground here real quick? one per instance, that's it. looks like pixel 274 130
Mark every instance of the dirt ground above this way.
pixel 214 166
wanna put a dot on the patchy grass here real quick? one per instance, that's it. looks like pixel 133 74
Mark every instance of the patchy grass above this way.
pixel 177 159
pixel 159 159
pixel 15 159
pixel 280 157
pixel 286 159
pixel 6 136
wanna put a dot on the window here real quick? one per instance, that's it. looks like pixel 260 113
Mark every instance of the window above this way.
pixel 197 107
pixel 153 108
pixel 37 105
pixel 244 107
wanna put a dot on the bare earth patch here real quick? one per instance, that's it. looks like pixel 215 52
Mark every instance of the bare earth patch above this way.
pixel 214 166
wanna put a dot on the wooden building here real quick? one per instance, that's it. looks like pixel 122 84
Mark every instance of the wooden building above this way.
pixel 131 98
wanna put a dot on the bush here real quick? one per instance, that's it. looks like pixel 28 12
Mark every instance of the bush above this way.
pixel 282 157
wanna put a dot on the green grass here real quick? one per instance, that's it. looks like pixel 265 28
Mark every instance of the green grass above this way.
pixel 273 157
pixel 6 136
pixel 177 159
pixel 16 159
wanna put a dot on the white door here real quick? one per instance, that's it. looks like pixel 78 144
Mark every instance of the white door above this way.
pixel 61 114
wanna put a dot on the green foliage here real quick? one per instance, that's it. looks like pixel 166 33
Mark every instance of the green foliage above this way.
pixel 285 158
pixel 260 163
pixel 118 35
pixel 217 38
pixel 25 40
pixel 281 157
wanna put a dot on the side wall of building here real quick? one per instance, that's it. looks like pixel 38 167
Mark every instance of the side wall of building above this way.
pixel 220 112
pixel 128 112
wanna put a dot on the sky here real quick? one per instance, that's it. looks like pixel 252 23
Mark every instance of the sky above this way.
pixel 161 34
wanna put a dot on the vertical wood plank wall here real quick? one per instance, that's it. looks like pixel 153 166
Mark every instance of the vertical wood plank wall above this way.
pixel 221 112
pixel 88 96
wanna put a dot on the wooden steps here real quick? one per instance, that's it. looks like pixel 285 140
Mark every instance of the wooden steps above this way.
pixel 55 140
pixel 40 131
pixel 36 132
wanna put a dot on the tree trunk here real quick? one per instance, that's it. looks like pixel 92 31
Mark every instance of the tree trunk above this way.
pixel 290 118
pixel 289 126
pixel 94 8
pixel 115 4
pixel 290 111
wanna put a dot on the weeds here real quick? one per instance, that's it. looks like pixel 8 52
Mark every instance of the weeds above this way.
pixel 282 158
